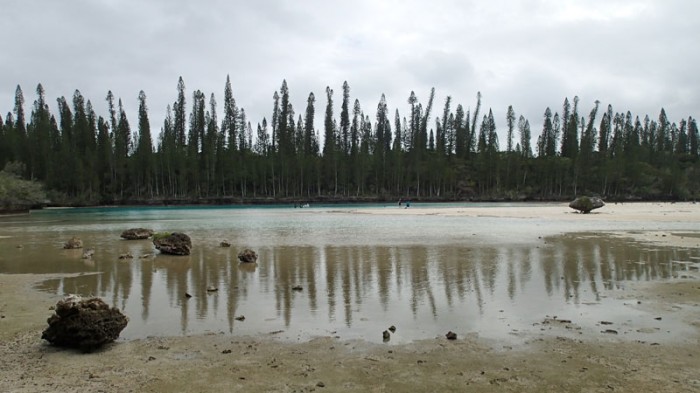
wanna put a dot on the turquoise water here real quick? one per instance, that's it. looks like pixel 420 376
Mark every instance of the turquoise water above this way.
pixel 359 273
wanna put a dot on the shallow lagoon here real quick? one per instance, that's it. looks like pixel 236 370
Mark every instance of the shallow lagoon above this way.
pixel 360 273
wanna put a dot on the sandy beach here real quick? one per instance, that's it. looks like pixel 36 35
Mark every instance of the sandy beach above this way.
pixel 553 355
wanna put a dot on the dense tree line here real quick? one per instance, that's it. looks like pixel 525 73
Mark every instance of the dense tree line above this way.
pixel 366 153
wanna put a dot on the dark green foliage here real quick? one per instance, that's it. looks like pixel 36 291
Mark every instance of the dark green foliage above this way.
pixel 17 194
pixel 86 159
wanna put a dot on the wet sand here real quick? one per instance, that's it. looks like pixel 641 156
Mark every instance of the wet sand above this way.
pixel 554 355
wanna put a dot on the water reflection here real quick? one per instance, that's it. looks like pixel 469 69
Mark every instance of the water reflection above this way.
pixel 353 291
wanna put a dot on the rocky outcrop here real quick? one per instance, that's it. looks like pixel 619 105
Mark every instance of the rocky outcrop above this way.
pixel 248 256
pixel 73 243
pixel 137 234
pixel 175 243
pixel 585 204
pixel 84 323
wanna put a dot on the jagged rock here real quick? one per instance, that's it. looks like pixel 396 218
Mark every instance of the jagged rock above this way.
pixel 137 234
pixel 248 256
pixel 73 243
pixel 392 328
pixel 173 243
pixel 451 335
pixel 224 243
pixel 585 204
pixel 84 323
pixel 88 253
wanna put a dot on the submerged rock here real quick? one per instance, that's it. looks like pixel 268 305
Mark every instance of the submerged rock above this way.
pixel 585 204
pixel 137 234
pixel 248 256
pixel 73 243
pixel 225 243
pixel 88 253
pixel 84 323
pixel 173 243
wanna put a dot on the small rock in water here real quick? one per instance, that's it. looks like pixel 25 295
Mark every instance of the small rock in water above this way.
pixel 386 336
pixel 224 243
pixel 297 288
pixel 610 331
pixel 226 351
pixel 564 321
pixel 240 318
pixel 248 256
pixel 88 253
pixel 73 243
pixel 126 256
pixel 605 323
pixel 392 328
pixel 137 234
pixel 187 295
pixel 658 318
pixel 212 288
pixel 451 335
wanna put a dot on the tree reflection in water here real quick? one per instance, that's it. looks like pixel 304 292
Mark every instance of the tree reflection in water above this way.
pixel 357 291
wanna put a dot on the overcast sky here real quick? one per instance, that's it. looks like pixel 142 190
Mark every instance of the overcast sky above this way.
pixel 636 55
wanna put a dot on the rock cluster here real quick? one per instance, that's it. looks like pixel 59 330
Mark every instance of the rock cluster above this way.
pixel 175 243
pixel 84 323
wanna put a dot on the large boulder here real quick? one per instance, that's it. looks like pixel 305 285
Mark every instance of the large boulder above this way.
pixel 175 243
pixel 585 204
pixel 73 243
pixel 137 234
pixel 84 323
pixel 247 256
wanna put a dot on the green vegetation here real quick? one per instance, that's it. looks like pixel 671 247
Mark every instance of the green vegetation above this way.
pixel 16 194
pixel 363 155
pixel 161 235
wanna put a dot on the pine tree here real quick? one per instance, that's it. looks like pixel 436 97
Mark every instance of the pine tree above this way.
pixel 441 132
pixel 122 148
pixel 104 159
pixel 525 135
pixel 345 120
pixel 39 135
pixel 510 119
pixel 693 137
pixel 460 132
pixel 143 156
pixel 18 133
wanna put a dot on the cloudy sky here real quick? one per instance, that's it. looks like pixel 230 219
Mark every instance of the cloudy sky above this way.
pixel 638 55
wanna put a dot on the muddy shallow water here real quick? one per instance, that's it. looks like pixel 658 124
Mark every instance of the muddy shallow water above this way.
pixel 358 273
